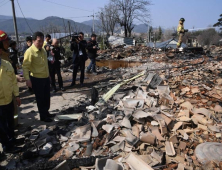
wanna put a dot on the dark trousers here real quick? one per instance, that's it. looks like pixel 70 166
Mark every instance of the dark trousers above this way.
pixel 41 88
pixel 92 65
pixel 78 63
pixel 7 125
pixel 15 68
pixel 55 69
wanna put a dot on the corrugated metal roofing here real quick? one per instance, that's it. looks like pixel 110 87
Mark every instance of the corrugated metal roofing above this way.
pixel 169 43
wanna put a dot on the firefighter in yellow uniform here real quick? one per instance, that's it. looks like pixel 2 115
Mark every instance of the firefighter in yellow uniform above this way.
pixel 180 31
pixel 8 90
pixel 5 56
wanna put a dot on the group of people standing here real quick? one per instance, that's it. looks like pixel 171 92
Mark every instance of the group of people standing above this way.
pixel 41 63
pixel 79 46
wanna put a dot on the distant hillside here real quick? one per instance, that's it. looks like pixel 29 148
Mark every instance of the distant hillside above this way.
pixel 4 18
pixel 89 23
pixel 6 23
pixel 38 25
pixel 141 28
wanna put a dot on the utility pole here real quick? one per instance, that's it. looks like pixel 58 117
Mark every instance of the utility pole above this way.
pixel 15 24
pixel 103 31
pixel 93 30
pixel 69 29
pixel 148 35
pixel 93 23
pixel 64 25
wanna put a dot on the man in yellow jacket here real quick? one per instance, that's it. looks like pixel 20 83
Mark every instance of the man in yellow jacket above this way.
pixel 35 61
pixel 180 31
pixel 8 89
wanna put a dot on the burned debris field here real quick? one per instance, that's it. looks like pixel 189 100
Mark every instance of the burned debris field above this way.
pixel 163 113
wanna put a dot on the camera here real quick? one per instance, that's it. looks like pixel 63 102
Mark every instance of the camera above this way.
pixel 74 37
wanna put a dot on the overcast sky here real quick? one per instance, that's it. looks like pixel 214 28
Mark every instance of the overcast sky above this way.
pixel 165 13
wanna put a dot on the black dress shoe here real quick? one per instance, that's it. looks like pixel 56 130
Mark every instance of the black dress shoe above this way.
pixel 19 141
pixel 51 115
pixel 62 89
pixel 47 120
pixel 81 85
pixel 73 84
pixel 12 149
pixel 54 90
pixel 2 156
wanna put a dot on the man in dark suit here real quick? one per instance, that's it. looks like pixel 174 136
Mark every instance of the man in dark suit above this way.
pixel 78 46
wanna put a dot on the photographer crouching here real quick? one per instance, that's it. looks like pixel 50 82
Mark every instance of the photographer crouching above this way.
pixel 92 47
pixel 78 46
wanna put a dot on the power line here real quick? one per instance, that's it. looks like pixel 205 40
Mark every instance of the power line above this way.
pixel 67 6
pixel 24 17
pixel 4 3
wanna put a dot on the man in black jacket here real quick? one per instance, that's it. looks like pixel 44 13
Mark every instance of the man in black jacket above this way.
pixel 55 65
pixel 28 44
pixel 79 57
pixel 92 47
pixel 13 55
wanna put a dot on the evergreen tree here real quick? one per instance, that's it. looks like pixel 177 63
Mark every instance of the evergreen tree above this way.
pixel 219 23
pixel 160 33
pixel 150 32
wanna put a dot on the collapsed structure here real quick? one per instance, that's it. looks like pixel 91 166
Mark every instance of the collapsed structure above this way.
pixel 164 114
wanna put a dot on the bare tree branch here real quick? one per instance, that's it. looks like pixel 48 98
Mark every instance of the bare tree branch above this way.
pixel 131 10
pixel 108 18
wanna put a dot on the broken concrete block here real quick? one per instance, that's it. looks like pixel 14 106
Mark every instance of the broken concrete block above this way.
pixel 136 163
